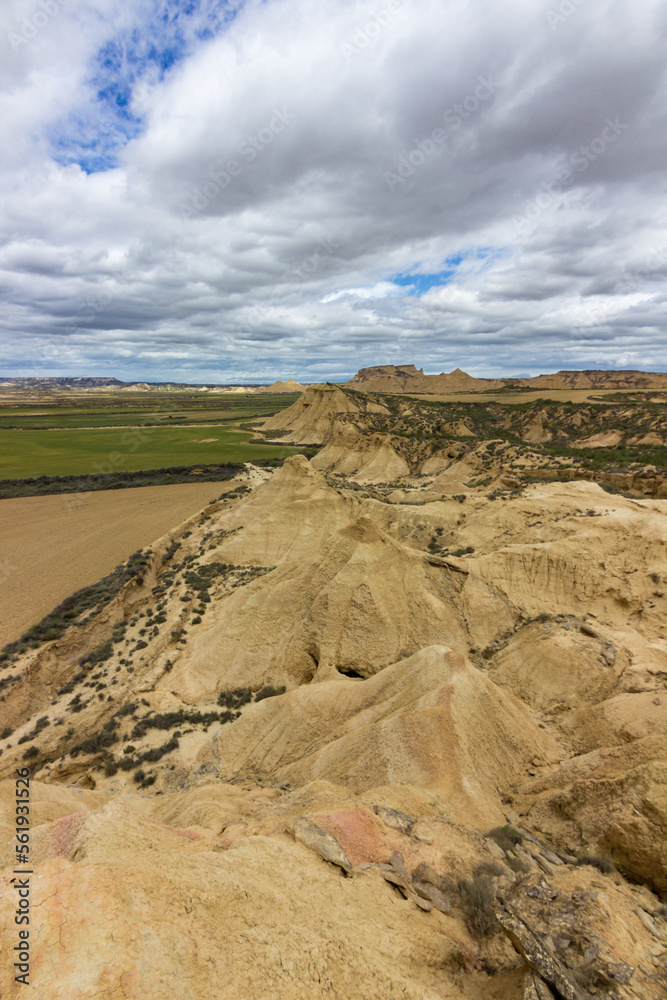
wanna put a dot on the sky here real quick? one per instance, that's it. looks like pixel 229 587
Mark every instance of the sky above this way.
pixel 244 190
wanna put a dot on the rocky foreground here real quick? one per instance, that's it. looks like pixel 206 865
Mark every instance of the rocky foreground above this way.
pixel 398 739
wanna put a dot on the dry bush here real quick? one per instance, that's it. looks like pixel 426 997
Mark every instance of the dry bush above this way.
pixel 477 898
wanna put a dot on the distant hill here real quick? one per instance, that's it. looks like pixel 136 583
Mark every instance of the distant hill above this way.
pixel 597 379
pixel 407 378
pixel 56 384
pixel 289 386
pixel 60 383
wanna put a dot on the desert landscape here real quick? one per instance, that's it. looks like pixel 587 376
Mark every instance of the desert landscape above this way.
pixel 333 500
pixel 386 718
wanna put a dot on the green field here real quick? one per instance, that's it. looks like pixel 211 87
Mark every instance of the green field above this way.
pixel 25 454
pixel 96 434
pixel 163 409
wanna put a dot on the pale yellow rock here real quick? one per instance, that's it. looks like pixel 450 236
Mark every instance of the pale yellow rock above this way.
pixel 309 420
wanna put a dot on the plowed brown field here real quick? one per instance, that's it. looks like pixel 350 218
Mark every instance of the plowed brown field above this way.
pixel 51 546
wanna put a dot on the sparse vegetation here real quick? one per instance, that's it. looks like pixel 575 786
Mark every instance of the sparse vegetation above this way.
pixel 40 725
pixel 168 720
pixel 604 865
pixel 506 837
pixel 99 655
pixel 477 898
pixel 128 709
pixel 235 699
pixel 270 692
pixel 80 607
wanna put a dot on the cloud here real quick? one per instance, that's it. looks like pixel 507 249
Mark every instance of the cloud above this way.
pixel 207 190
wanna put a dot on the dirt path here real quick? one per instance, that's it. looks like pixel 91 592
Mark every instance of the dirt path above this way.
pixel 51 546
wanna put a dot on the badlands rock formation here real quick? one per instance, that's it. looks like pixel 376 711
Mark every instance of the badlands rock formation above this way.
pixel 310 418
pixel 330 739
pixel 289 386
pixel 407 378
pixel 377 438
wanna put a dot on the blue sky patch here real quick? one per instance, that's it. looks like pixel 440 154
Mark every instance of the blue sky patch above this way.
pixel 418 283
pixel 94 135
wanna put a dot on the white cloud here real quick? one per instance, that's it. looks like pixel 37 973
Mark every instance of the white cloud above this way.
pixel 249 227
pixel 380 290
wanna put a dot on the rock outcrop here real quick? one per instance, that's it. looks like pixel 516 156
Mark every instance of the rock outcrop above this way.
pixel 310 419
pixel 407 378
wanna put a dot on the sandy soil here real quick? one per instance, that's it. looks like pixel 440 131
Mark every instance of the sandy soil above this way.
pixel 51 546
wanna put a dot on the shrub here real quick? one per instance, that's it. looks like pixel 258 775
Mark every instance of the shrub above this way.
pixel 6 733
pixel 167 720
pixel 129 708
pixel 169 553
pixel 110 768
pixel 235 699
pixel 99 655
pixel 158 752
pixel 31 752
pixel 517 865
pixel 139 775
pixel 492 868
pixel 99 741
pixel 40 725
pixel 604 865
pixel 506 837
pixel 119 632
pixel 270 692
pixel 477 897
